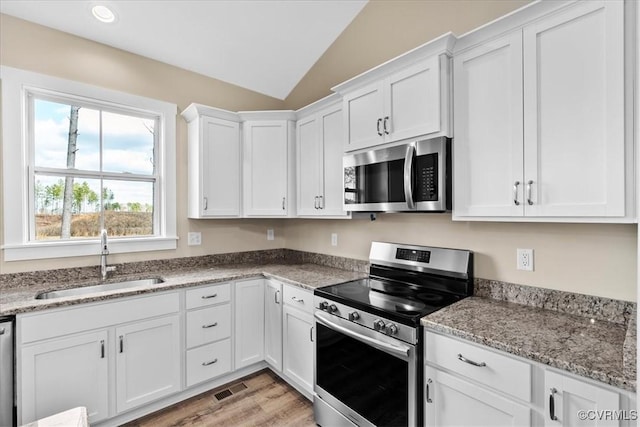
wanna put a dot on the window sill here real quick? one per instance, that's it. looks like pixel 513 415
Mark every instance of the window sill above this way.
pixel 43 250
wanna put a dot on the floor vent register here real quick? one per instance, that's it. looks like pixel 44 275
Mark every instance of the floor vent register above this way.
pixel 234 389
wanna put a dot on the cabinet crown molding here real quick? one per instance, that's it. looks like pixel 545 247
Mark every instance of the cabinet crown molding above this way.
pixel 441 45
pixel 267 115
pixel 318 105
pixel 195 110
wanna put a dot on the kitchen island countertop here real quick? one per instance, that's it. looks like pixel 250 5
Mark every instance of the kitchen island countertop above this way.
pixel 590 348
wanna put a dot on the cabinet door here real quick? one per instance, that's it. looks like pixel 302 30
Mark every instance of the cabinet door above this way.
pixel 273 324
pixel 574 111
pixel 488 145
pixel 265 168
pixel 363 114
pixel 332 150
pixel 249 327
pixel 220 167
pixel 147 361
pixel 65 373
pixel 450 401
pixel 413 101
pixel 570 396
pixel 298 348
pixel 309 165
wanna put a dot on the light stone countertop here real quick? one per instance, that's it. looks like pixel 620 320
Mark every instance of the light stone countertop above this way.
pixel 587 347
pixel 16 300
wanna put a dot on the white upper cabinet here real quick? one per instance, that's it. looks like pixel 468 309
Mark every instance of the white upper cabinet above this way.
pixel 214 162
pixel 268 163
pixel 540 117
pixel 407 97
pixel 319 159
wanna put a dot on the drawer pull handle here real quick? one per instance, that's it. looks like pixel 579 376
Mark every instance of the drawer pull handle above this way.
pixel 209 296
pixel 298 300
pixel 209 363
pixel 552 405
pixel 276 296
pixel 121 344
pixel 210 326
pixel 529 201
pixel 515 193
pixel 101 349
pixel 429 400
pixel 471 362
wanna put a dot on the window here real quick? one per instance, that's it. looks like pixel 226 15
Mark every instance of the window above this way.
pixel 77 159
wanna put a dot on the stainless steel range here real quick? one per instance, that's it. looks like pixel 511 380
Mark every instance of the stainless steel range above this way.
pixel 368 336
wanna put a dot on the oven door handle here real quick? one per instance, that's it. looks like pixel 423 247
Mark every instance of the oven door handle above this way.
pixel 397 350
pixel 408 184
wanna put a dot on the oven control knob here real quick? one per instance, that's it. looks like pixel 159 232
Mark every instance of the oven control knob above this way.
pixel 378 325
pixel 333 308
pixel 323 305
pixel 392 329
pixel 354 316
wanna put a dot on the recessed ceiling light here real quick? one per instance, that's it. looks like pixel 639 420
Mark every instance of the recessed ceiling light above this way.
pixel 103 14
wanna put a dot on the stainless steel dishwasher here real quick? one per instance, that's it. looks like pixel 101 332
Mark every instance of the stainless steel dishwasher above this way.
pixel 7 411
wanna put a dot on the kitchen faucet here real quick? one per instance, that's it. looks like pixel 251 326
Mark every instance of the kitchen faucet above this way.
pixel 104 270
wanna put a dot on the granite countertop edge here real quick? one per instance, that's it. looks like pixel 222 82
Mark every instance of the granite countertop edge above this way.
pixel 306 276
pixel 539 355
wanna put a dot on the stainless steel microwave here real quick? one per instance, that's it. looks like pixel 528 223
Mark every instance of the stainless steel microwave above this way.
pixel 413 177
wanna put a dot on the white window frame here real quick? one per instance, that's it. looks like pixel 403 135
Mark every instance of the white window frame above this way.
pixel 17 176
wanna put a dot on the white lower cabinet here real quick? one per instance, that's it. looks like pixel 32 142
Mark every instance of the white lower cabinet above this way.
pixel 468 384
pixel 273 324
pixel 298 339
pixel 60 374
pixel 451 401
pixel 249 317
pixel 79 356
pixel 570 400
pixel 147 361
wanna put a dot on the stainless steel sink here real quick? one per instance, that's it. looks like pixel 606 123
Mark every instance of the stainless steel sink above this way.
pixel 99 288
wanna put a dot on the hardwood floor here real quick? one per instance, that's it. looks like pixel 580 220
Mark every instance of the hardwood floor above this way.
pixel 267 401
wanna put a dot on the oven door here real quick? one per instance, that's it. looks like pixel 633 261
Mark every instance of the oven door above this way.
pixel 367 377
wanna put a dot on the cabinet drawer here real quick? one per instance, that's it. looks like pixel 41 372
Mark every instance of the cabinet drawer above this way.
pixel 208 295
pixel 208 362
pixel 298 297
pixel 208 325
pixel 499 372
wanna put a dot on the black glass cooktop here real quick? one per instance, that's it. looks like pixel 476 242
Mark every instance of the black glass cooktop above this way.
pixel 398 301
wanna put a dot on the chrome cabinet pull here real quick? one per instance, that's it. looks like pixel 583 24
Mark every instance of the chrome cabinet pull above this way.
pixel 101 349
pixel 408 184
pixel 276 296
pixel 311 334
pixel 426 391
pixel 298 300
pixel 321 204
pixel 210 325
pixel 121 344
pixel 552 405
pixel 384 126
pixel 315 204
pixel 515 193
pixel 210 362
pixel 209 296
pixel 471 362
pixel 283 200
pixel 378 127
pixel 206 204
pixel 529 201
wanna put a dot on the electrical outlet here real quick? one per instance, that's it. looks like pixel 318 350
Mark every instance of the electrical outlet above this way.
pixel 334 239
pixel 270 235
pixel 525 259
pixel 194 238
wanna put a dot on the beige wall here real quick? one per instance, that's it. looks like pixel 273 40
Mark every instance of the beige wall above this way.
pixel 592 259
pixel 582 258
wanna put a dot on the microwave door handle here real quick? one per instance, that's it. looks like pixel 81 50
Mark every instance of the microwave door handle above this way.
pixel 408 185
